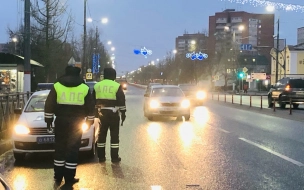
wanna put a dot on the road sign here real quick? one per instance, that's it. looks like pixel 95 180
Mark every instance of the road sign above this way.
pixel 246 47
pixel 89 76
pixel 245 70
pixel 258 76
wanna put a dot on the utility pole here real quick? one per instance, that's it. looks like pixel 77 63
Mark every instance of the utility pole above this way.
pixel 84 65
pixel 27 46
pixel 277 52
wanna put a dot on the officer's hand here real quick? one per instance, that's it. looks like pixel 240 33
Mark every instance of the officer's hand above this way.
pixel 123 116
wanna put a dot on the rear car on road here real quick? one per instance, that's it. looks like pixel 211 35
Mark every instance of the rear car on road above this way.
pixel 166 100
pixel 286 90
pixel 30 132
pixel 123 82
pixel 195 94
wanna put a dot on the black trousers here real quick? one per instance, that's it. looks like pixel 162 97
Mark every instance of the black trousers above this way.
pixel 108 120
pixel 68 134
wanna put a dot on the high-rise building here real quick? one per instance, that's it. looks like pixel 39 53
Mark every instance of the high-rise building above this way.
pixel 188 43
pixel 300 32
pixel 242 28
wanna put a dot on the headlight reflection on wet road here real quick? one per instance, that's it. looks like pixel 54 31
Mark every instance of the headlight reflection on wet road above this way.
pixel 19 182
pixel 154 130
pixel 186 133
pixel 201 115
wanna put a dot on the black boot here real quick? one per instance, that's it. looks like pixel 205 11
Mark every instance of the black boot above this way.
pixel 114 155
pixel 72 181
pixel 101 152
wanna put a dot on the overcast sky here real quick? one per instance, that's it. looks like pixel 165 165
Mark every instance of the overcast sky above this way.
pixel 154 24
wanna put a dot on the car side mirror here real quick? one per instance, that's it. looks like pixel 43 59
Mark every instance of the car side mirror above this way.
pixel 18 111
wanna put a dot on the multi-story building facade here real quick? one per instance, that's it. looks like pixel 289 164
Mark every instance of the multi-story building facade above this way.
pixel 191 42
pixel 243 28
pixel 300 34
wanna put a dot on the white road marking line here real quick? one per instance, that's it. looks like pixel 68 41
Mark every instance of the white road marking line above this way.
pixel 223 130
pixel 218 128
pixel 273 152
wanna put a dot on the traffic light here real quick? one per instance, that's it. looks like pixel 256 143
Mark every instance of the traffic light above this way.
pixel 241 75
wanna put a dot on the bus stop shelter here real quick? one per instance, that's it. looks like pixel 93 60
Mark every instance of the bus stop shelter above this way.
pixel 12 72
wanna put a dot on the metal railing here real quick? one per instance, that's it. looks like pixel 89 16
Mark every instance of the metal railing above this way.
pixel 8 103
pixel 216 97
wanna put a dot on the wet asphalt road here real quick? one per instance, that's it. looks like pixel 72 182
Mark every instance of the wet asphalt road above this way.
pixel 219 148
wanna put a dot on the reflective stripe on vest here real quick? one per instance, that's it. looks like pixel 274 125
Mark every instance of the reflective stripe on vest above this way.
pixel 71 95
pixel 106 89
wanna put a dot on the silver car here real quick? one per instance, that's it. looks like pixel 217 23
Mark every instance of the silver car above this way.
pixel 30 132
pixel 166 100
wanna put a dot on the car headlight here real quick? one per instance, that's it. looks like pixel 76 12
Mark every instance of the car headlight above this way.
pixel 85 127
pixel 21 130
pixel 124 85
pixel 185 104
pixel 201 95
pixel 154 104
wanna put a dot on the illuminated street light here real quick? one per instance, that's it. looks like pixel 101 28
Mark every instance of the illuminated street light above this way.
pixel 152 62
pixel 90 20
pixel 109 42
pixel 241 27
pixel 193 42
pixel 226 27
pixel 157 60
pixel 104 20
pixel 14 39
pixel 112 48
pixel 174 51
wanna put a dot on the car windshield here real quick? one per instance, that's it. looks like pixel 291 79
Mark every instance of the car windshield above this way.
pixel 298 83
pixel 188 87
pixel 36 103
pixel 159 92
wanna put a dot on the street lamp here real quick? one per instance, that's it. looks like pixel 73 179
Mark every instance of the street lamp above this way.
pixel 271 8
pixel 193 42
pixel 112 48
pixel 104 20
pixel 109 42
pixel 174 51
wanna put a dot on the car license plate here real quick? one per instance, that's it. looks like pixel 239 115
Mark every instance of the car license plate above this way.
pixel 168 109
pixel 45 140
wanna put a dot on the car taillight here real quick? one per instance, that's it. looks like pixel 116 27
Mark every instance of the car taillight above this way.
pixel 287 88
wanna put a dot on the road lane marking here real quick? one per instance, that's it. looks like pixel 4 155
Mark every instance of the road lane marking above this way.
pixel 218 128
pixel 273 152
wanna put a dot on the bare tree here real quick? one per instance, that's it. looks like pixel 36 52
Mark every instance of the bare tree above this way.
pixel 51 31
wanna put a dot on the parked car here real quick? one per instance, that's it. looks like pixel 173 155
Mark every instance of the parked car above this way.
pixel 91 85
pixel 30 132
pixel 286 90
pixel 166 100
pixel 196 95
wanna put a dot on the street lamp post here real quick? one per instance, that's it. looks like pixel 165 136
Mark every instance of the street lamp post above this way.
pixel 277 52
pixel 84 37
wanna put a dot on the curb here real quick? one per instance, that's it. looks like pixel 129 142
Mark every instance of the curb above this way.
pixel 5 159
pixel 5 145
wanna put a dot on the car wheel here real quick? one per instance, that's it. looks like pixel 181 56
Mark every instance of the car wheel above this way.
pixel 270 102
pixel 19 156
pixel 296 106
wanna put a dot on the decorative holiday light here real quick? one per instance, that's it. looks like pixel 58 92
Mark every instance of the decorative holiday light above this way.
pixel 264 3
pixel 199 56
pixel 143 51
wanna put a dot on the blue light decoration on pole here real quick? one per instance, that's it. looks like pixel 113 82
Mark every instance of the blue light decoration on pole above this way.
pixel 95 61
pixel 199 56
pixel 143 51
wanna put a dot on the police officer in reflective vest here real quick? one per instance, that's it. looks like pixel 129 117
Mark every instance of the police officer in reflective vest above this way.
pixel 71 102
pixel 110 105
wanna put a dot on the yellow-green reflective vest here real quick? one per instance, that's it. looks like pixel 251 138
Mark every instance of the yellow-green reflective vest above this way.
pixel 71 95
pixel 106 89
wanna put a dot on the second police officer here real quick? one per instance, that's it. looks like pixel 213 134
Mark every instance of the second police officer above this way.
pixel 110 105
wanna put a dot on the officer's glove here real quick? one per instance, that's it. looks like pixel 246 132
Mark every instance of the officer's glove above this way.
pixel 123 117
